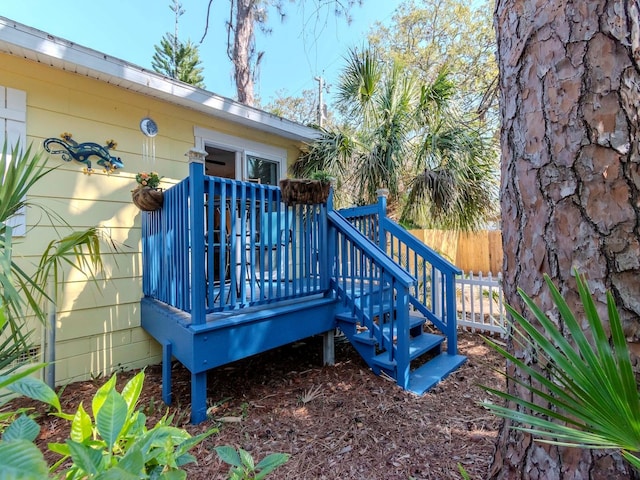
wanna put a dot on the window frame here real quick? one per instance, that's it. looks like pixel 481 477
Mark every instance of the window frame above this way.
pixel 243 149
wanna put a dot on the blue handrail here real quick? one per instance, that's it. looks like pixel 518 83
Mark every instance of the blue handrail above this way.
pixel 375 289
pixel 433 294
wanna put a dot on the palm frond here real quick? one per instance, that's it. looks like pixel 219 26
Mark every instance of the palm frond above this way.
pixel 587 395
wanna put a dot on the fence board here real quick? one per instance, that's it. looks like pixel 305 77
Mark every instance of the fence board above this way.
pixel 479 251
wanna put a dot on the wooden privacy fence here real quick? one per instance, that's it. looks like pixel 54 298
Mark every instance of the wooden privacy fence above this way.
pixel 479 251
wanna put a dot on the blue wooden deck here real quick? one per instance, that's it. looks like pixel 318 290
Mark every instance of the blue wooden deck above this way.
pixel 229 271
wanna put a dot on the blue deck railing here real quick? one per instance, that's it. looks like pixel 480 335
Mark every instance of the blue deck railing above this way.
pixel 433 293
pixel 375 289
pixel 219 244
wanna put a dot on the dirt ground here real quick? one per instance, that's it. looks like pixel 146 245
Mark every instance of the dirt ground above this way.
pixel 339 422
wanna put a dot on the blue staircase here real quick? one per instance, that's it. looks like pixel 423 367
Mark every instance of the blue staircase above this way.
pixel 428 363
pixel 400 288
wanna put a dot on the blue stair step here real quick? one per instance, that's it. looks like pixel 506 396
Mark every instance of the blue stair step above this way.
pixel 417 346
pixel 432 372
pixel 365 337
pixel 346 317
pixel 414 321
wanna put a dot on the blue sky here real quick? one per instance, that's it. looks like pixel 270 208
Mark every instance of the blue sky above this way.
pixel 298 49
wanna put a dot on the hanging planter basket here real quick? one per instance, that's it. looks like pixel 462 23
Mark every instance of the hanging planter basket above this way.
pixel 297 191
pixel 148 199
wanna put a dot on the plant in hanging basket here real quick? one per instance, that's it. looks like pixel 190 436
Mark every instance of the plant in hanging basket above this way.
pixel 147 196
pixel 306 191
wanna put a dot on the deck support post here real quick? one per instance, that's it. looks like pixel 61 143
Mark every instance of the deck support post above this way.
pixel 382 194
pixel 166 372
pixel 328 348
pixel 196 232
pixel 198 397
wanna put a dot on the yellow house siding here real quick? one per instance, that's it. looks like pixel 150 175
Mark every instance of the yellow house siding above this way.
pixel 98 323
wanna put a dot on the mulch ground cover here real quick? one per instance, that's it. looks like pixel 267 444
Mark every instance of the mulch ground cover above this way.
pixel 336 422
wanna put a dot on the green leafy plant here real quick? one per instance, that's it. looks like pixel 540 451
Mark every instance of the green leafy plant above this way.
pixel 322 176
pixel 20 457
pixel 587 392
pixel 116 439
pixel 243 466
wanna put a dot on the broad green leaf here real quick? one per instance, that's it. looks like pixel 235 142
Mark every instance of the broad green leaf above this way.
pixel 131 391
pixel 116 473
pixel 101 395
pixel 36 389
pixel 22 428
pixel 133 461
pixel 185 459
pixel 81 426
pixel 6 380
pixel 21 460
pixel 229 455
pixel 173 475
pixel 84 457
pixel 111 417
pixel 270 463
pixel 246 459
pixel 59 448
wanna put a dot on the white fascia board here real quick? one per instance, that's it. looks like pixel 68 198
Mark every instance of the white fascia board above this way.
pixel 24 41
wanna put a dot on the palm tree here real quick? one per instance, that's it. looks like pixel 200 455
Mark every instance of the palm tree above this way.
pixel 439 166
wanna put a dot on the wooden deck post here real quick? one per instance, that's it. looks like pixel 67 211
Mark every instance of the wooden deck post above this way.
pixel 166 372
pixel 328 347
pixel 382 193
pixel 196 237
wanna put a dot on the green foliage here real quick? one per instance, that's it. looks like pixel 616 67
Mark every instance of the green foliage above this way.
pixel 440 166
pixel 19 172
pixel 20 457
pixel 322 176
pixel 429 36
pixel 116 443
pixel 586 396
pixel 243 466
pixel 177 59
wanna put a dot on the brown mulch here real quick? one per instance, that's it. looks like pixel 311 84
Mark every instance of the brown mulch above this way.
pixel 339 422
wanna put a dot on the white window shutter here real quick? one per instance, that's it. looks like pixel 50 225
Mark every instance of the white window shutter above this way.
pixel 13 129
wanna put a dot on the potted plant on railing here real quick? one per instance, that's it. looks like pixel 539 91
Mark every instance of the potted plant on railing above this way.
pixel 147 196
pixel 306 191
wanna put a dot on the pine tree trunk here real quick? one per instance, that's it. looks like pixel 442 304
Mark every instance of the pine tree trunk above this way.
pixel 570 102
pixel 243 45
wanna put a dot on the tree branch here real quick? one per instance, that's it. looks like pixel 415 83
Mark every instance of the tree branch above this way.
pixel 206 27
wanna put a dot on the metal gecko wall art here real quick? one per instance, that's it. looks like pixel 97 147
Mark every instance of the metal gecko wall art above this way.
pixel 70 150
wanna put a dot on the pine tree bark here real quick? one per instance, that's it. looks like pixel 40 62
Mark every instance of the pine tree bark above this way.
pixel 243 46
pixel 570 102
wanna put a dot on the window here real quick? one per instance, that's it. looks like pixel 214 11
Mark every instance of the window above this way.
pixel 13 129
pixel 239 158
pixel 262 170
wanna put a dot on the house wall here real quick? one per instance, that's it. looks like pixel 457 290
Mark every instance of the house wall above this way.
pixel 98 323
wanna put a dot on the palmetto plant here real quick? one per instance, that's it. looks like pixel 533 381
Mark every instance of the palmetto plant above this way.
pixel 587 395
pixel 406 137
pixel 19 289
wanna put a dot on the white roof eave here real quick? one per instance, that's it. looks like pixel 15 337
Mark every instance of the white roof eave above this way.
pixel 27 42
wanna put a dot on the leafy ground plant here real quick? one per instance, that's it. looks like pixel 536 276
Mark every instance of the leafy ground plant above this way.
pixel 243 466
pixel 588 393
pixel 116 443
